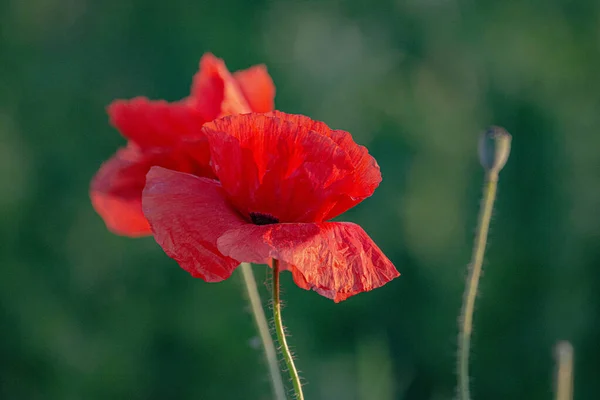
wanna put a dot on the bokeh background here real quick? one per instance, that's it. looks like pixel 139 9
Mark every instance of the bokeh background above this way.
pixel 85 314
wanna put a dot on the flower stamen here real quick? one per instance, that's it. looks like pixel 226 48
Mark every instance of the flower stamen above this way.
pixel 263 219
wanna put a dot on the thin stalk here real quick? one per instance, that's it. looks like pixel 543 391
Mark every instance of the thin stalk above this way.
pixel 494 150
pixel 564 371
pixel 263 330
pixel 287 355
pixel 464 338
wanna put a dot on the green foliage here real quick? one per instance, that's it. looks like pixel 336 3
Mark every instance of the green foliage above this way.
pixel 88 315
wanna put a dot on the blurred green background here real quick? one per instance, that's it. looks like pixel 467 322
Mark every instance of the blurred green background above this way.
pixel 85 314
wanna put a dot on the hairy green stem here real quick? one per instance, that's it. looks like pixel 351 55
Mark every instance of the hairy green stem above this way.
pixel 287 355
pixel 464 338
pixel 564 371
pixel 494 150
pixel 263 330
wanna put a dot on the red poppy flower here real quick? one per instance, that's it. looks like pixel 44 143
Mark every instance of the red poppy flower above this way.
pixel 280 178
pixel 156 130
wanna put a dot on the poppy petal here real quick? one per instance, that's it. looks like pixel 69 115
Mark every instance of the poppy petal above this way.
pixel 116 193
pixel 273 165
pixel 365 175
pixel 214 90
pixel 116 189
pixel 187 215
pixel 257 87
pixel 152 124
pixel 336 259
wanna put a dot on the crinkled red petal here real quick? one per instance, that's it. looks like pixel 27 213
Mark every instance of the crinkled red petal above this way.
pixel 187 215
pixel 116 189
pixel 272 166
pixel 336 259
pixel 289 166
pixel 214 90
pixel 152 124
pixel 365 175
pixel 257 87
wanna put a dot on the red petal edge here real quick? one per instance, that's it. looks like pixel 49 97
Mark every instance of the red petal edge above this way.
pixel 116 192
pixel 290 166
pixel 187 215
pixel 270 165
pixel 336 259
pixel 365 176
pixel 214 91
pixel 154 123
pixel 258 88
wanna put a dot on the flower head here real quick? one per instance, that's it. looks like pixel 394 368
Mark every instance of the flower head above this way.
pixel 169 135
pixel 280 178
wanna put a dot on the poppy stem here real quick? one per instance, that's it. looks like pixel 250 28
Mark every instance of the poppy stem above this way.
pixel 494 149
pixel 263 330
pixel 287 355
pixel 564 371
pixel 464 342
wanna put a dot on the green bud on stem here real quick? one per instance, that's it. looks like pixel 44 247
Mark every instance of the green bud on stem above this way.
pixel 494 148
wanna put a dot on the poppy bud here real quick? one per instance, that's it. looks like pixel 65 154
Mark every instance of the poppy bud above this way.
pixel 494 148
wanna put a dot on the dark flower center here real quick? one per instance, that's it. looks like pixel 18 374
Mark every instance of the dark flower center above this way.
pixel 262 219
